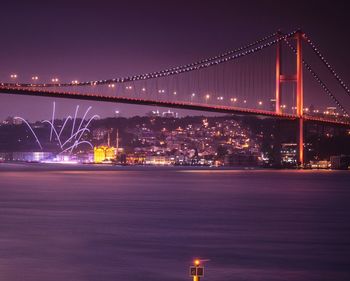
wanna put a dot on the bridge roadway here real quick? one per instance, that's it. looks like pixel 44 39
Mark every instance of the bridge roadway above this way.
pixel 180 105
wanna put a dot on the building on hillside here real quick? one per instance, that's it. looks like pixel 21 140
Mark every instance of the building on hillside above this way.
pixel 289 153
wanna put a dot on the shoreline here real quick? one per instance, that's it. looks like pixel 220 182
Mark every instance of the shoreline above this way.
pixel 25 166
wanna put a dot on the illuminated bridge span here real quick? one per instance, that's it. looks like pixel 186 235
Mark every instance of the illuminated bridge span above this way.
pixel 259 78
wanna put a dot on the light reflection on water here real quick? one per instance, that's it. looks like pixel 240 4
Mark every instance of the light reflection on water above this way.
pixel 148 224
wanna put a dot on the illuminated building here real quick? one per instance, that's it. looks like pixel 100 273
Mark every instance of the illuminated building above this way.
pixel 104 153
pixel 36 156
pixel 135 159
pixel 320 164
pixel 331 110
pixel 289 153
pixel 157 160
pixel 169 114
pixel 153 113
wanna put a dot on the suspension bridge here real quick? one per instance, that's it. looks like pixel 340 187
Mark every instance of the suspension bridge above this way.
pixel 269 77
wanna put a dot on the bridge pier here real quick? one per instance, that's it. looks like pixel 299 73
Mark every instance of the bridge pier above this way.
pixel 301 141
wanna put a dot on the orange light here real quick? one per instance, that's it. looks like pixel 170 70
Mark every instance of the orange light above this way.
pixel 197 262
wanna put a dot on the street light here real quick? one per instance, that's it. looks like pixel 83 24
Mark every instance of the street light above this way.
pixel 13 76
pixel 54 80
pixel 207 97
pixel 192 96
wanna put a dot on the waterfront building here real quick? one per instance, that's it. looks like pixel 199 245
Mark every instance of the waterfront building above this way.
pixel 135 159
pixel 158 160
pixel 36 156
pixel 340 162
pixel 104 153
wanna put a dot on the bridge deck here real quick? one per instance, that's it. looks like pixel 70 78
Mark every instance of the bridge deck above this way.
pixel 180 105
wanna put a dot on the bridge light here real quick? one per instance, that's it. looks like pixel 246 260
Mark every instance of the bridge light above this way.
pixel 13 76
pixel 244 101
pixel 54 80
pixel 143 89
pixel 260 103
pixel 175 93
pixel 193 94
pixel 35 78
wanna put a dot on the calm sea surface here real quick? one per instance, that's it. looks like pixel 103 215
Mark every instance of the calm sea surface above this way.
pixel 101 224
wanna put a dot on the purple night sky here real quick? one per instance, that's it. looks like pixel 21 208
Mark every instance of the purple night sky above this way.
pixel 102 39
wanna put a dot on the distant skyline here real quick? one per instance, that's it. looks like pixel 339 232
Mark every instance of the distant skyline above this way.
pixel 86 40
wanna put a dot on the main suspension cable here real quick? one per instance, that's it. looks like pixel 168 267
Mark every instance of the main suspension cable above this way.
pixel 228 56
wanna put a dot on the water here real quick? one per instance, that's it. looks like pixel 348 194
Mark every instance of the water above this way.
pixel 148 224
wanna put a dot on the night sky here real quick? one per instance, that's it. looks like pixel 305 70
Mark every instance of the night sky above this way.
pixel 86 40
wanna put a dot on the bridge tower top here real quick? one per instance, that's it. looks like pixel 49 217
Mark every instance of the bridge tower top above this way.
pixel 294 78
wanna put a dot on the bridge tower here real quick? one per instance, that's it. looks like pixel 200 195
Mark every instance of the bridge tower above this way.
pixel 295 78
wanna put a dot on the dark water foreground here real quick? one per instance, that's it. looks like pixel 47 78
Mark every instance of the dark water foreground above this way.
pixel 147 224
